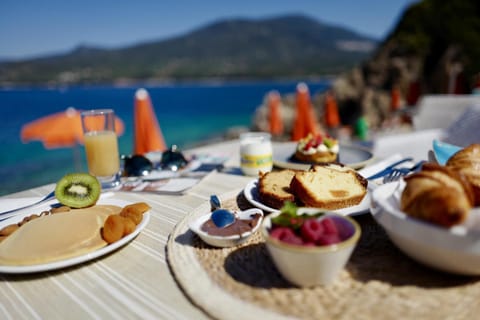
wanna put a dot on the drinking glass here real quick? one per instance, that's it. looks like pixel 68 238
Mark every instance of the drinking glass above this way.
pixel 101 146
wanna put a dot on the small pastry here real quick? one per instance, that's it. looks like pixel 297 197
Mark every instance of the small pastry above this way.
pixel 317 149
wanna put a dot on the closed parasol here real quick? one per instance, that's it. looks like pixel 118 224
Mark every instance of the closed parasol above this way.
pixel 147 134
pixel 275 115
pixel 395 99
pixel 305 120
pixel 332 117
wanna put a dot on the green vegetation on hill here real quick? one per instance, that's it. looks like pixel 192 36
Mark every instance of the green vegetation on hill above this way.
pixel 289 46
pixel 440 31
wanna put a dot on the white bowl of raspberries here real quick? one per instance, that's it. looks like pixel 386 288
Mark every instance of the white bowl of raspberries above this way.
pixel 309 247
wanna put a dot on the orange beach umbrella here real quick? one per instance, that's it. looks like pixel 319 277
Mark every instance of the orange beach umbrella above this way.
pixel 332 117
pixel 59 130
pixel 305 121
pixel 147 134
pixel 395 99
pixel 275 116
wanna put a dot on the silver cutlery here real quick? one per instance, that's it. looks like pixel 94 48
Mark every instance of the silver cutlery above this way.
pixel 397 173
pixel 388 169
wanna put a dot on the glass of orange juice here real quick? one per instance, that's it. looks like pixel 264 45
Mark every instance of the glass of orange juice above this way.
pixel 101 146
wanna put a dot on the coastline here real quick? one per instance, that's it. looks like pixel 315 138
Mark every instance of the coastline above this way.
pixel 190 115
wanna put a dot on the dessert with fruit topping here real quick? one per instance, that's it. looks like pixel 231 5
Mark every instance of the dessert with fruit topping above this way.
pixel 317 149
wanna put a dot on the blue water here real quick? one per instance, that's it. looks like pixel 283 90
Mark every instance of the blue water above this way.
pixel 187 114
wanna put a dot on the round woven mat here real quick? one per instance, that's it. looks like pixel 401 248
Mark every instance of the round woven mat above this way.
pixel 378 282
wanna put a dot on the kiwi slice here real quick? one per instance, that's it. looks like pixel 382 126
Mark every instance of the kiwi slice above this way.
pixel 78 190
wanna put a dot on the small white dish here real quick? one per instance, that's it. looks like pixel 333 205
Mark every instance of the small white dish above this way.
pixel 251 194
pixel 229 241
pixel 455 250
pixel 308 266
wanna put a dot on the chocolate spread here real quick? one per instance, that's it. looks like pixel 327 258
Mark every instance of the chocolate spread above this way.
pixel 238 227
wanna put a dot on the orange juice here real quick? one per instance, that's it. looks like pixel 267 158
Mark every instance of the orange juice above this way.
pixel 101 148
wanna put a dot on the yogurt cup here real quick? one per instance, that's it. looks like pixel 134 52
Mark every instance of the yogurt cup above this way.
pixel 255 153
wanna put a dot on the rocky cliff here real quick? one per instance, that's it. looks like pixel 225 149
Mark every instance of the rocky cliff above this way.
pixel 434 49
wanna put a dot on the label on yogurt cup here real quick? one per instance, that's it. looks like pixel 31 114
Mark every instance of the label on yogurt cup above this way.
pixel 257 161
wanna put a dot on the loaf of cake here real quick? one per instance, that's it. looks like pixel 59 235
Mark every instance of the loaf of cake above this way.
pixel 437 194
pixel 329 186
pixel 467 162
pixel 274 188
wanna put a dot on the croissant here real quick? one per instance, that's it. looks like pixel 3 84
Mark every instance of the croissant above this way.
pixel 437 194
pixel 467 162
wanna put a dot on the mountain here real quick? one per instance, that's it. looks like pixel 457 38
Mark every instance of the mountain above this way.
pixel 287 46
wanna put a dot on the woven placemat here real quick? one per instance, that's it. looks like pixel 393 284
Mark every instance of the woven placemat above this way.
pixel 378 282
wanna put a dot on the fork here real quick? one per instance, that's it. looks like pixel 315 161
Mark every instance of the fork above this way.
pixel 397 173
pixel 7 214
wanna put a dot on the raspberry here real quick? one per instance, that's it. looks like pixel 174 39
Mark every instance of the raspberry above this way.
pixel 281 232
pixel 293 240
pixel 327 239
pixel 286 235
pixel 308 145
pixel 311 230
pixel 329 226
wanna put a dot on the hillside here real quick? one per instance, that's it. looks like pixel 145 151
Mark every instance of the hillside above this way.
pixel 288 46
pixel 434 49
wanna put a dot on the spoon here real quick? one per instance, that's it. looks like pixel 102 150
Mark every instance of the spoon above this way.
pixel 222 218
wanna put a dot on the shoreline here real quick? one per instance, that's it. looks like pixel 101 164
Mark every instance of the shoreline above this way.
pixel 161 83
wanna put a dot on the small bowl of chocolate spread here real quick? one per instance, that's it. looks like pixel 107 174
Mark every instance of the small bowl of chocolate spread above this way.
pixel 244 225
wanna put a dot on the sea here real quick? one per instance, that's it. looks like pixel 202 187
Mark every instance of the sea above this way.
pixel 188 113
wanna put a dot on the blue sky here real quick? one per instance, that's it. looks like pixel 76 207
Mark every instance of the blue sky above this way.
pixel 34 27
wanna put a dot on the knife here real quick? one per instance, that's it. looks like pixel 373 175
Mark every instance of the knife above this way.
pixel 388 169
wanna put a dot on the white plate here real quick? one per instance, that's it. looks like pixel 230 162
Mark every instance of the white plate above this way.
pixel 353 156
pixel 251 194
pixel 75 260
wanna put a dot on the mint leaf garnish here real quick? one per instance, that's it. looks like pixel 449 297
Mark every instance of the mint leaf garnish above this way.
pixel 290 218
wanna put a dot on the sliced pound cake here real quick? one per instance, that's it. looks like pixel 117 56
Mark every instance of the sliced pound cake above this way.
pixel 329 186
pixel 274 188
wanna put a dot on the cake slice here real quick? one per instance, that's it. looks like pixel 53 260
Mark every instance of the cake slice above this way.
pixel 329 186
pixel 274 188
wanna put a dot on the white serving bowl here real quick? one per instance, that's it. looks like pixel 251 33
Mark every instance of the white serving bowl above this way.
pixel 229 241
pixel 455 250
pixel 308 266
